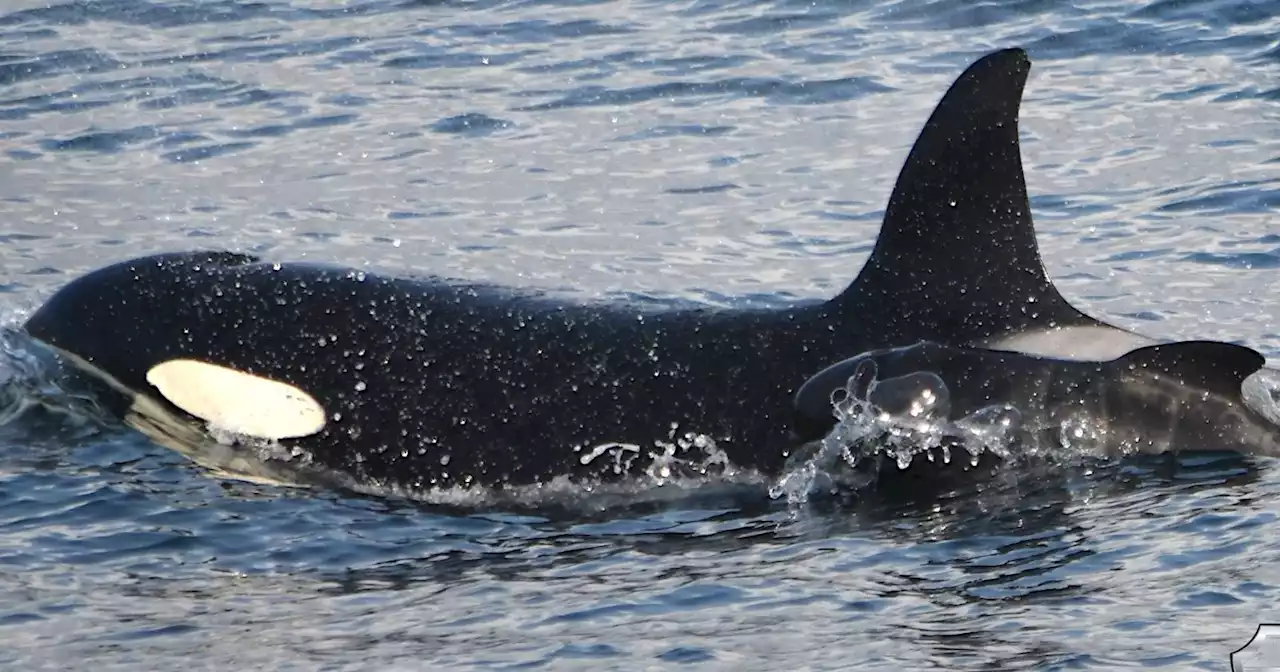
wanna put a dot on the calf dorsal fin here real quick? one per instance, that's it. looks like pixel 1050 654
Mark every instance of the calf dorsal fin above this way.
pixel 1211 365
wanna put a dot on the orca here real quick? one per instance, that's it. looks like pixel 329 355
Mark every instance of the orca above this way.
pixel 422 381
pixel 1167 397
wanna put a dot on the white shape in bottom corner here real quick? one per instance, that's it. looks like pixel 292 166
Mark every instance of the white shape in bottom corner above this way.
pixel 1261 653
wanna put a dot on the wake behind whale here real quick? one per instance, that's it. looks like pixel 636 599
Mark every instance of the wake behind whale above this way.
pixel 423 382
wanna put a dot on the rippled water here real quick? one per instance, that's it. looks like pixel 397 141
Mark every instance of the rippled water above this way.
pixel 705 149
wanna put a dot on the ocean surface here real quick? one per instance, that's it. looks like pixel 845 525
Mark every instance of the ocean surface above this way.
pixel 705 150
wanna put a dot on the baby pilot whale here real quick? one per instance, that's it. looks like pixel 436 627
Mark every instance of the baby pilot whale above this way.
pixel 419 382
pixel 1160 398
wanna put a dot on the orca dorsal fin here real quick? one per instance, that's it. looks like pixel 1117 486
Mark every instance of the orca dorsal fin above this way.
pixel 1212 365
pixel 957 259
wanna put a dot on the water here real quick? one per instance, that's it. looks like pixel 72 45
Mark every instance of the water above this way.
pixel 711 149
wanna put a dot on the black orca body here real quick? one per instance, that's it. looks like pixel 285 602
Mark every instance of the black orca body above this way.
pixel 1159 398
pixel 420 382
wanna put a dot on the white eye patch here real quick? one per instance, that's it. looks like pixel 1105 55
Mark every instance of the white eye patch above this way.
pixel 236 401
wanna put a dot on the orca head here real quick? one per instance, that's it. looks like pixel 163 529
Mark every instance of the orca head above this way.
pixel 957 260
pixel 87 319
pixel 83 316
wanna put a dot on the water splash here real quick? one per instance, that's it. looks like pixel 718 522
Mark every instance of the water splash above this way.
pixel 687 455
pixel 34 390
pixel 897 418
pixel 686 466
